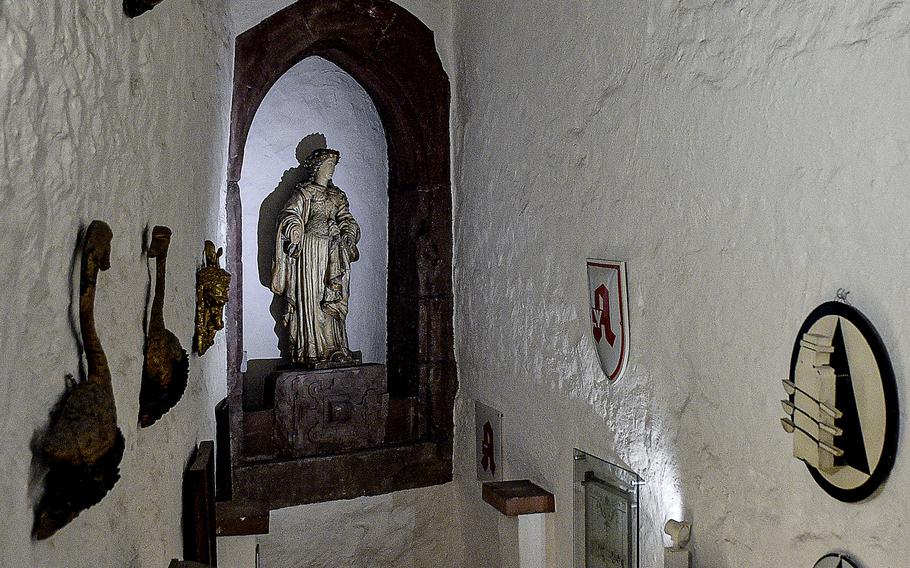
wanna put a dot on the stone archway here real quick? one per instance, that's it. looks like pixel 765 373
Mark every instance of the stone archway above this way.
pixel 392 54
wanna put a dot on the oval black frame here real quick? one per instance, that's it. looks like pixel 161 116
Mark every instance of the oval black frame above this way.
pixel 839 556
pixel 889 387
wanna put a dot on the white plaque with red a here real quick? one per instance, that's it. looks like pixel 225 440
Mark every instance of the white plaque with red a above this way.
pixel 608 294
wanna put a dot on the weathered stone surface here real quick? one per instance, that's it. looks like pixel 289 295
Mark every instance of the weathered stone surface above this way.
pixel 441 382
pixel 403 421
pixel 331 411
pixel 329 478
pixel 240 519
pixel 436 334
pixel 259 435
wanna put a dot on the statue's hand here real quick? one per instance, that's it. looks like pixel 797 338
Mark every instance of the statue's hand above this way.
pixel 292 249
pixel 295 234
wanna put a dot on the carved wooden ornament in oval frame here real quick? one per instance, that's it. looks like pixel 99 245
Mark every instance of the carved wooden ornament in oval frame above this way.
pixel 842 407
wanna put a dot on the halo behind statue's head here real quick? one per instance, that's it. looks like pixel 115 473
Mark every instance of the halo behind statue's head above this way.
pixel 317 157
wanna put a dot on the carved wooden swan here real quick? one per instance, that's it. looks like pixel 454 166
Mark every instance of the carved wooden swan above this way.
pixel 167 365
pixel 83 445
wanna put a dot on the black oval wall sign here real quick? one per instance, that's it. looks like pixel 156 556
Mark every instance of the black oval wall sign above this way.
pixel 835 561
pixel 842 408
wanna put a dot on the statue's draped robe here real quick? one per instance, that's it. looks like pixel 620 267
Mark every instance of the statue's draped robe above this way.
pixel 314 275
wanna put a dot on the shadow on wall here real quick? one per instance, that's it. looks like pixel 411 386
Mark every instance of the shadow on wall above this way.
pixel 268 218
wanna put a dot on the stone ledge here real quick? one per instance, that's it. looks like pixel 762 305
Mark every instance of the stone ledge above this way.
pixel 234 519
pixel 276 485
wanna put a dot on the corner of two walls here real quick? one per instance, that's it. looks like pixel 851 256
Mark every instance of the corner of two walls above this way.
pixel 124 121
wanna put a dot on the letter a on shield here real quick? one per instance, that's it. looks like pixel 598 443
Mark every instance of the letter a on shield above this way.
pixel 609 321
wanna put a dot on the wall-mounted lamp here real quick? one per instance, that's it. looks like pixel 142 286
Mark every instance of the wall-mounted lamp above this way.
pixel 676 556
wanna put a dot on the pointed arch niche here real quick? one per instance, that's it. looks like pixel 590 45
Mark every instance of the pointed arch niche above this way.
pixel 393 56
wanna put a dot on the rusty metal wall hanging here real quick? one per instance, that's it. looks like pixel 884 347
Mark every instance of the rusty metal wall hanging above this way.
pixel 83 446
pixel 167 365
pixel 212 286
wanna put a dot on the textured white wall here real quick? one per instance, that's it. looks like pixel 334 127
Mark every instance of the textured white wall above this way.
pixel 407 529
pixel 125 121
pixel 747 159
pixel 315 97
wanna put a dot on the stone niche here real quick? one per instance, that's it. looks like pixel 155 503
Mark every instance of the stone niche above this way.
pixel 371 429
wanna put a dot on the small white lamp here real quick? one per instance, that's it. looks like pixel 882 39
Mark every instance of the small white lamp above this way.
pixel 677 556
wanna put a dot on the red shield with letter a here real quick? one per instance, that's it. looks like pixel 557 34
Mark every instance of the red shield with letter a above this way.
pixel 609 321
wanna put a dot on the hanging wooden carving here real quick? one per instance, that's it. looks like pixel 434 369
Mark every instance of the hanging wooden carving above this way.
pixel 212 286
pixel 135 8
pixel 842 402
pixel 83 446
pixel 167 365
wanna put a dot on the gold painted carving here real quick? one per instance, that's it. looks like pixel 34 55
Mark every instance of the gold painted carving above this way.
pixel 212 286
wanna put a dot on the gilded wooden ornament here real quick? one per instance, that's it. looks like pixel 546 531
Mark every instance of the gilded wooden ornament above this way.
pixel 83 446
pixel 212 286
pixel 167 365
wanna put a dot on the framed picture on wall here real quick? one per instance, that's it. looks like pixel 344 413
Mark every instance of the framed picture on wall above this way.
pixel 606 514
pixel 608 525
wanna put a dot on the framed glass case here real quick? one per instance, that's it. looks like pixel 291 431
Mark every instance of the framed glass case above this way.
pixel 606 514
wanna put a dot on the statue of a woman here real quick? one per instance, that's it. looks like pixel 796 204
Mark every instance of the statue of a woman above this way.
pixel 316 243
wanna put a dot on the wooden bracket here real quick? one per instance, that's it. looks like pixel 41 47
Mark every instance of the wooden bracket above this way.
pixel 513 498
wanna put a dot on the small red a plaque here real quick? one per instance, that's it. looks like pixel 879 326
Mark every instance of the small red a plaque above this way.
pixel 609 318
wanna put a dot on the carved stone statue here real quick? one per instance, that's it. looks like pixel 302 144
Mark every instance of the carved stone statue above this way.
pixel 316 243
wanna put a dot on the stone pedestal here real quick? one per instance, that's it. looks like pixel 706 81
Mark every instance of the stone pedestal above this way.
pixel 677 558
pixel 333 411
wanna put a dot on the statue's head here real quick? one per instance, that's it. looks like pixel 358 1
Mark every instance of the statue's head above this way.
pixel 322 160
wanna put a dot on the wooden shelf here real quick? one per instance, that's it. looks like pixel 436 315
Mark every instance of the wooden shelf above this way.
pixel 513 498
pixel 234 519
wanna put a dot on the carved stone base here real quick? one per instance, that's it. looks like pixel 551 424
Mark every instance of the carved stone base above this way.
pixel 325 412
pixel 321 365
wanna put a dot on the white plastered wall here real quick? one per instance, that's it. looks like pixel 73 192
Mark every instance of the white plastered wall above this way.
pixel 315 97
pixel 747 159
pixel 125 121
